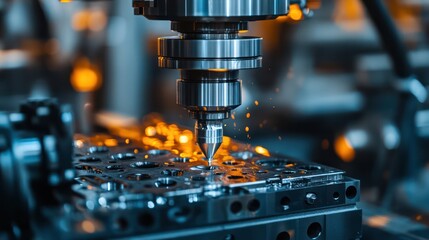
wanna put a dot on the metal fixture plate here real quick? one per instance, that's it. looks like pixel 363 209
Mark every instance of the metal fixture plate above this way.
pixel 155 178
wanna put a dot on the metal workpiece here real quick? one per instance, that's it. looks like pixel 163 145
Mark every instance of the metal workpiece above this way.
pixel 157 187
pixel 208 10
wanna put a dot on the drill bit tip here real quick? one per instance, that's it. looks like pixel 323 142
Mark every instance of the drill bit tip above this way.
pixel 209 137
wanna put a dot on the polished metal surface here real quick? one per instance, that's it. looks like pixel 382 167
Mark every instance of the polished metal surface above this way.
pixel 246 10
pixel 204 64
pixel 209 136
pixel 176 47
pixel 209 96
pixel 154 181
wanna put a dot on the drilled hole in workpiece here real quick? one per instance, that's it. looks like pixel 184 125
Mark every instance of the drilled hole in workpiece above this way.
pixel 336 196
pixel 351 192
pixel 245 155
pixel 236 207
pixel 198 178
pixel 157 152
pixel 98 149
pixel 144 164
pixel 115 167
pixel 112 186
pixel 121 224
pixel 90 159
pixel 289 172
pixel 285 201
pixel 235 177
pixel 275 162
pixel 202 167
pixel 253 205
pixel 283 236
pixel 88 168
pixel 165 182
pixel 173 172
pixel 314 230
pixel 180 159
pixel 138 176
pixel 146 219
pixel 231 163
pixel 123 156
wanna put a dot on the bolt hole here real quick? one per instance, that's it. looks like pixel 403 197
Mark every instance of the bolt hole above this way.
pixel 235 177
pixel 146 219
pixel 90 159
pixel 165 183
pixel 98 149
pixel 351 192
pixel 144 164
pixel 157 152
pixel 285 201
pixel 336 196
pixel 236 207
pixel 314 230
pixel 114 167
pixel 180 159
pixel 123 156
pixel 138 176
pixel 173 172
pixel 283 236
pixel 122 224
pixel 253 205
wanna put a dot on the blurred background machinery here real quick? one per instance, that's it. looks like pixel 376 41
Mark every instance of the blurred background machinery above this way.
pixel 327 92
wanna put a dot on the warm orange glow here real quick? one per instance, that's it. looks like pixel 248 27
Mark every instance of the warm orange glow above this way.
pixel 88 226
pixel 349 15
pixel 282 18
pixel 247 115
pixel 65 1
pixel 314 4
pixel 247 129
pixel 183 139
pixel 218 69
pixel 344 149
pixel 85 76
pixel 98 21
pixel 256 103
pixel 111 142
pixel 378 221
pixel 263 151
pixel 150 131
pixel 79 143
pixel 295 12
pixel 94 20
pixel 80 20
